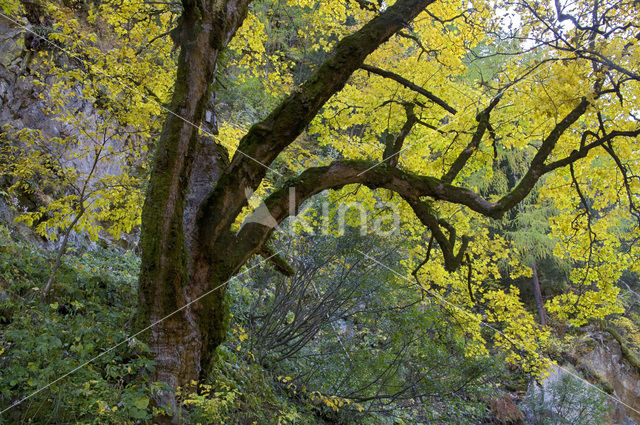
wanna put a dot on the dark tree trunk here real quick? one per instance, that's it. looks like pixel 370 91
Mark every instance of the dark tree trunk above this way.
pixel 537 294
pixel 171 274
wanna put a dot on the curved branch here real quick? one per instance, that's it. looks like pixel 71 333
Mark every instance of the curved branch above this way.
pixel 586 148
pixel 411 187
pixel 451 260
pixel 411 86
pixel 265 140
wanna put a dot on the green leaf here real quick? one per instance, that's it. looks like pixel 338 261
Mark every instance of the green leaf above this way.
pixel 141 403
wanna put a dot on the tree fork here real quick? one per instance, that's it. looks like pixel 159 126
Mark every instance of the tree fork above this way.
pixel 169 277
pixel 174 272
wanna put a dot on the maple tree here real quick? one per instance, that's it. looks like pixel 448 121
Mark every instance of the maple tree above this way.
pixel 456 113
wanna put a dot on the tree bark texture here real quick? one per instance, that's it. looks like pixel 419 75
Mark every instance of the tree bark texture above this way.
pixel 167 282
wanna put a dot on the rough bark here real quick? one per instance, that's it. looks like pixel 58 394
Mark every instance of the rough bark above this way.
pixel 165 285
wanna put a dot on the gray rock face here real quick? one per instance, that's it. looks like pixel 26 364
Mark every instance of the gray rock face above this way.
pixel 23 105
pixel 20 103
pixel 562 398
pixel 12 41
pixel 606 362
pixel 565 397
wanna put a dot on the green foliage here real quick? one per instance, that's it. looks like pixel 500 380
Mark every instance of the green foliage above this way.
pixel 90 311
pixel 567 400
pixel 11 7
pixel 40 342
pixel 358 344
pixel 241 391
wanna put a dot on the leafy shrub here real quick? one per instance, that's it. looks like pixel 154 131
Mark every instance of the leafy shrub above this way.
pixel 89 312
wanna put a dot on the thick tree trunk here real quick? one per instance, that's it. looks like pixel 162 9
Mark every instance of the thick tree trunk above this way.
pixel 174 338
pixel 172 275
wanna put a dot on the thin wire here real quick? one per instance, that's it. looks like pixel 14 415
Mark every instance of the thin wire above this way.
pixel 135 90
pixel 129 338
pixel 449 303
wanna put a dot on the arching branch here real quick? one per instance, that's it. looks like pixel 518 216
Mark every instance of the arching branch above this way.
pixel 409 186
pixel 410 85
pixel 268 138
pixel 537 168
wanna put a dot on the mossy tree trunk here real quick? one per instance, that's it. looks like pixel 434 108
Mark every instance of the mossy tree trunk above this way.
pixel 169 277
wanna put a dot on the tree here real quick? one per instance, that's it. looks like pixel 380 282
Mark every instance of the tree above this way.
pixel 182 263
pixel 177 268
